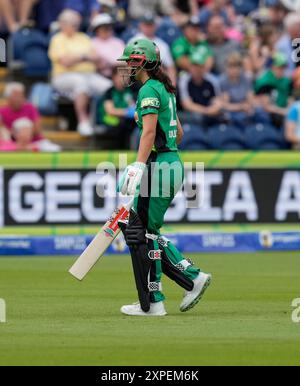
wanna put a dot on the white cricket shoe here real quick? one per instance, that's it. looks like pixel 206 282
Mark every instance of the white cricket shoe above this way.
pixel 192 298
pixel 156 309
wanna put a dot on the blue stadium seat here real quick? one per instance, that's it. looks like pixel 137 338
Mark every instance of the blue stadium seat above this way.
pixel 225 137
pixel 194 138
pixel 30 47
pixel 168 31
pixel 44 97
pixel 265 137
pixel 37 63
pixel 129 33
pixel 27 36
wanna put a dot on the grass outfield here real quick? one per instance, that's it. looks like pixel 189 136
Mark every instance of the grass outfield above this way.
pixel 245 318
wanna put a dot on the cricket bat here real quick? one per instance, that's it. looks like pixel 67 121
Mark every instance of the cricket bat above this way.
pixel 100 243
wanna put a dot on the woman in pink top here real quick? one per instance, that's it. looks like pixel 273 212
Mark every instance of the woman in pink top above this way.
pixel 17 107
pixel 108 48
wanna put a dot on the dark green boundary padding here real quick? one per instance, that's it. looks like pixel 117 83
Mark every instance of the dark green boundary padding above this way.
pixel 90 160
pixel 87 160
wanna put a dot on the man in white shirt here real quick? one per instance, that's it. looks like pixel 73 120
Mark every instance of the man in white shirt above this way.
pixel 147 29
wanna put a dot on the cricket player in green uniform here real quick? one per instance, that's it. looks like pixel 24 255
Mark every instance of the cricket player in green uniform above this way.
pixel 154 180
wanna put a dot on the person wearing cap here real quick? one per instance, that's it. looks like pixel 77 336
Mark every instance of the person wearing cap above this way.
pixel 107 47
pixel 199 93
pixel 273 89
pixel 191 41
pixel 73 68
pixel 147 30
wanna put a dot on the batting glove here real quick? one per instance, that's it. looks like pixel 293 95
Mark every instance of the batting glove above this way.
pixel 132 178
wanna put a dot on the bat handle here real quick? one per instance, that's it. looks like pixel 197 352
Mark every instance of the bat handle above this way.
pixel 130 203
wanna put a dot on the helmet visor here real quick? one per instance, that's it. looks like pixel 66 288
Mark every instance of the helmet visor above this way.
pixel 129 71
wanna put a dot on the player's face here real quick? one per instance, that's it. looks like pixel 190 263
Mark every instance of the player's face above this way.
pixel 131 73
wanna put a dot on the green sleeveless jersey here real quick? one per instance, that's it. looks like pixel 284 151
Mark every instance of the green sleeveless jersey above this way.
pixel 153 98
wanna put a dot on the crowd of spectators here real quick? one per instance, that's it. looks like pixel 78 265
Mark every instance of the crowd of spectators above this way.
pixel 20 123
pixel 234 62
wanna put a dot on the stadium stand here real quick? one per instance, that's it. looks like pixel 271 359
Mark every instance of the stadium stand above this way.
pixel 265 137
pixel 259 30
pixel 226 137
pixel 195 138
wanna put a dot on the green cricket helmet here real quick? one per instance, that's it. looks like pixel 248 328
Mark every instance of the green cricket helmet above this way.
pixel 140 54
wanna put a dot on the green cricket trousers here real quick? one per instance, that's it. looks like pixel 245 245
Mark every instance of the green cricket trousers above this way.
pixel 158 188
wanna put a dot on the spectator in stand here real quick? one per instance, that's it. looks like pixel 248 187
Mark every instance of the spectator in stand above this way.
pixel 108 48
pixel 199 94
pixel 23 133
pixel 73 62
pixel 262 48
pixel 191 41
pixel 5 135
pixel 292 127
pixel 276 13
pixel 138 8
pixel 216 8
pixel 178 17
pixel 237 92
pixel 17 108
pixel 23 137
pixel 219 44
pixel 147 30
pixel 16 13
pixel 289 42
pixel 117 111
pixel 21 124
pixel 117 9
pixel 273 90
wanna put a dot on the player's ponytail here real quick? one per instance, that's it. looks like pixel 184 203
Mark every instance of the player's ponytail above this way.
pixel 161 76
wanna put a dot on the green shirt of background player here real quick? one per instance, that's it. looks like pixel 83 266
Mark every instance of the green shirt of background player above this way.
pixel 274 87
pixel 154 180
pixel 273 90
pixel 192 41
